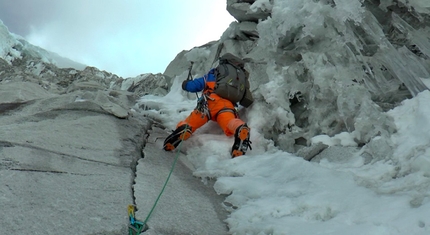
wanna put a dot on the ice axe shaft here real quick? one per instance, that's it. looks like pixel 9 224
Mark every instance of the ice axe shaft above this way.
pixel 189 71
pixel 190 77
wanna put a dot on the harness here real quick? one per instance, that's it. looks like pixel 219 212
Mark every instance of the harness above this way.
pixel 202 106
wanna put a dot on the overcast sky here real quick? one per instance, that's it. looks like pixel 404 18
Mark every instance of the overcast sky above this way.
pixel 125 37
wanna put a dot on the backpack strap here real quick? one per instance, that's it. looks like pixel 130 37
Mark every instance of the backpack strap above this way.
pixel 218 52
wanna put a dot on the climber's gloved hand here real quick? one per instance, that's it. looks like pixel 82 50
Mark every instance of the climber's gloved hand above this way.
pixel 184 85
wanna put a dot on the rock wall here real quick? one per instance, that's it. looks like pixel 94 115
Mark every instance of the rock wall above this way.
pixel 70 145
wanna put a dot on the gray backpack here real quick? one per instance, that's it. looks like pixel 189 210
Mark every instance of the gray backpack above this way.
pixel 232 80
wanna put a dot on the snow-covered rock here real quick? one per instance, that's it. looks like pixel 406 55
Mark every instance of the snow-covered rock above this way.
pixel 249 10
pixel 336 71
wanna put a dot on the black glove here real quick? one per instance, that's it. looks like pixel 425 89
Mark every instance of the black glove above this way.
pixel 184 84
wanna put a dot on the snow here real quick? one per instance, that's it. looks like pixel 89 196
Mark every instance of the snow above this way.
pixel 8 42
pixel 13 47
pixel 380 188
pixel 270 191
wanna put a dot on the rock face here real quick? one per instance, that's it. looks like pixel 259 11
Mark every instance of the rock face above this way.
pixel 242 10
pixel 66 166
pixel 70 145
pixel 342 68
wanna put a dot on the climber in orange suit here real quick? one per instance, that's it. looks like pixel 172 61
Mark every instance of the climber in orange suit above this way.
pixel 210 107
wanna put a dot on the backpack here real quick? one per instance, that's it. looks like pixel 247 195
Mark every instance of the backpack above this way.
pixel 232 80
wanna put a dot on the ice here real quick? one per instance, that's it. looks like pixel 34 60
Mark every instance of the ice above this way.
pixel 7 45
pixel 421 6
pixel 344 64
pixel 401 68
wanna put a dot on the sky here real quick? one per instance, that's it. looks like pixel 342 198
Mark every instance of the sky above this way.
pixel 127 38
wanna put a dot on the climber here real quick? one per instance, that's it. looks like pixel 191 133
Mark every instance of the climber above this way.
pixel 218 104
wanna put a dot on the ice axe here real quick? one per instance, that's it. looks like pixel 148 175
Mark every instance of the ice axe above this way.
pixel 190 77
pixel 189 72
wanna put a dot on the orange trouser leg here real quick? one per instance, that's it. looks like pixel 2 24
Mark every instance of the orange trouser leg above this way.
pixel 229 122
pixel 195 120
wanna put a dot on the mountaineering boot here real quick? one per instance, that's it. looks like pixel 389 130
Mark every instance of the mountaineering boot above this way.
pixel 241 141
pixel 173 140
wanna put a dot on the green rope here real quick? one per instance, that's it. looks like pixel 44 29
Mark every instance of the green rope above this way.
pixel 165 184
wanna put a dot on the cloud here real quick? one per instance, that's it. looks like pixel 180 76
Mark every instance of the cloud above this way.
pixel 124 37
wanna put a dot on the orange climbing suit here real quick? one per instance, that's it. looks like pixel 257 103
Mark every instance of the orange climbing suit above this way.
pixel 221 110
